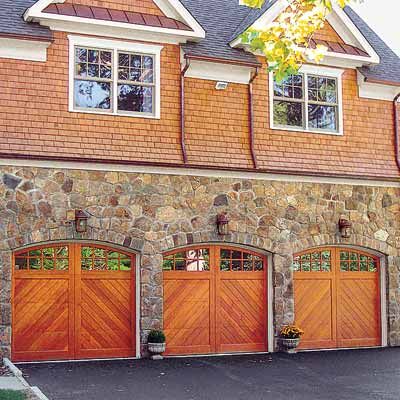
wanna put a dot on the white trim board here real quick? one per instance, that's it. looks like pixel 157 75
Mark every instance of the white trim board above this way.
pixel 312 70
pixel 340 22
pixel 119 29
pixel 219 72
pixel 376 91
pixel 115 46
pixel 21 49
pixel 86 166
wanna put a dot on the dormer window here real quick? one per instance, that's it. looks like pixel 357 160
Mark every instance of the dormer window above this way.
pixel 309 101
pixel 116 78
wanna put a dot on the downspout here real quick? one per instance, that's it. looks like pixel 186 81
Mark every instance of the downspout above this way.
pixel 396 129
pixel 251 119
pixel 183 138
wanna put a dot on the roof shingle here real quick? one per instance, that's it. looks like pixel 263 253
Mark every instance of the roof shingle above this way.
pixel 389 68
pixel 223 21
pixel 12 22
pixel 106 14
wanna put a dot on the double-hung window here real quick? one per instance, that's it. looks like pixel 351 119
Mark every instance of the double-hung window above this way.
pixel 309 101
pixel 114 77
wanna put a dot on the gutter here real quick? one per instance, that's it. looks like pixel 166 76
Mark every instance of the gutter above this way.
pixel 396 129
pixel 382 82
pixel 223 60
pixel 251 119
pixel 33 38
pixel 183 133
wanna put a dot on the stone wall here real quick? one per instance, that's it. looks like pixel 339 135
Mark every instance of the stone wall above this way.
pixel 151 214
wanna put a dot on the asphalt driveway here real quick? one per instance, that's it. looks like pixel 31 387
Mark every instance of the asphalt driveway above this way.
pixel 338 375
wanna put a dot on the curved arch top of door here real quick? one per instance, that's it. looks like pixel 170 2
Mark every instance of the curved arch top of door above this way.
pixel 73 300
pixel 215 300
pixel 338 297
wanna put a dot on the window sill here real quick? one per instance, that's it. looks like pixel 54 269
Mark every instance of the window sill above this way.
pixel 117 114
pixel 314 131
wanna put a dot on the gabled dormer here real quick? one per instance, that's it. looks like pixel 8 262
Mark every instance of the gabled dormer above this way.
pixel 346 45
pixel 158 20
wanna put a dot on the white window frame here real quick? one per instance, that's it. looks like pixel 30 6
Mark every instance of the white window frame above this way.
pixel 311 70
pixel 115 47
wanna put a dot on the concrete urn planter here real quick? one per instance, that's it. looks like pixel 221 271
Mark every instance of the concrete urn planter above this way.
pixel 156 350
pixel 289 345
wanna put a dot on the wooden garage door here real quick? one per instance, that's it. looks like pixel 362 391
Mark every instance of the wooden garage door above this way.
pixel 73 301
pixel 215 301
pixel 337 298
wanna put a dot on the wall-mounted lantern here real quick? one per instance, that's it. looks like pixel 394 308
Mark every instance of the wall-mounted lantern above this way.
pixel 345 227
pixel 222 224
pixel 81 221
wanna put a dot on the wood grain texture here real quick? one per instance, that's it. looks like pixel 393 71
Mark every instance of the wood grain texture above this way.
pixel 338 308
pixel 215 311
pixel 73 315
pixel 187 316
pixel 241 314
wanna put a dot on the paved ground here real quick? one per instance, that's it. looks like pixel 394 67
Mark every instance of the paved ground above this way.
pixel 339 375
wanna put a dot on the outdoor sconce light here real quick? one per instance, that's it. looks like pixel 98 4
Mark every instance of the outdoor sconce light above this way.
pixel 221 85
pixel 222 224
pixel 81 221
pixel 345 228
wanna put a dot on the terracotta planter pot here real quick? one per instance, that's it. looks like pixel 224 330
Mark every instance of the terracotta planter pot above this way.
pixel 156 349
pixel 289 345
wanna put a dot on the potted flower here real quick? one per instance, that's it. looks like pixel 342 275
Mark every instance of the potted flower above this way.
pixel 156 344
pixel 290 338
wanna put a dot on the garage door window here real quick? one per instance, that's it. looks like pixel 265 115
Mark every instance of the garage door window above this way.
pixel 316 261
pixel 236 260
pixel 46 259
pixel 356 262
pixel 100 259
pixel 196 260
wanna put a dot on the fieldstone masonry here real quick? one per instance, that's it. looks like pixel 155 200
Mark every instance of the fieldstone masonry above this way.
pixel 151 214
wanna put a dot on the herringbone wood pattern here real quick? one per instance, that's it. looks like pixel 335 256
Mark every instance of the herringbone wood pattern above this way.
pixel 73 314
pixel 314 312
pixel 105 318
pixel 340 308
pixel 187 322
pixel 359 312
pixel 41 318
pixel 215 311
pixel 241 313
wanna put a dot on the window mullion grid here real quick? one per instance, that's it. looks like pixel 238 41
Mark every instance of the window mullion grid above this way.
pixel 306 124
pixel 115 81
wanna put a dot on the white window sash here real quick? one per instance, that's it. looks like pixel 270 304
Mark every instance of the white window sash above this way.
pixel 318 71
pixel 115 47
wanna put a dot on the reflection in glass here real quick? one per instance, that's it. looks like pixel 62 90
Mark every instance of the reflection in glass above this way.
pixel 135 98
pixel 21 263
pixel 322 117
pixel 288 113
pixel 90 94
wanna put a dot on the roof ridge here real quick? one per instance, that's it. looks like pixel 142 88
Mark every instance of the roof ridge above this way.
pixel 258 12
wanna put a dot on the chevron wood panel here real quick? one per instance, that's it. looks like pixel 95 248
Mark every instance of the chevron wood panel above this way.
pixel 340 308
pixel 359 313
pixel 41 319
pixel 104 318
pixel 70 314
pixel 314 312
pixel 214 310
pixel 241 315
pixel 187 316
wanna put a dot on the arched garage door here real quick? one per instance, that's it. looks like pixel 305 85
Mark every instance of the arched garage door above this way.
pixel 215 300
pixel 337 298
pixel 73 301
